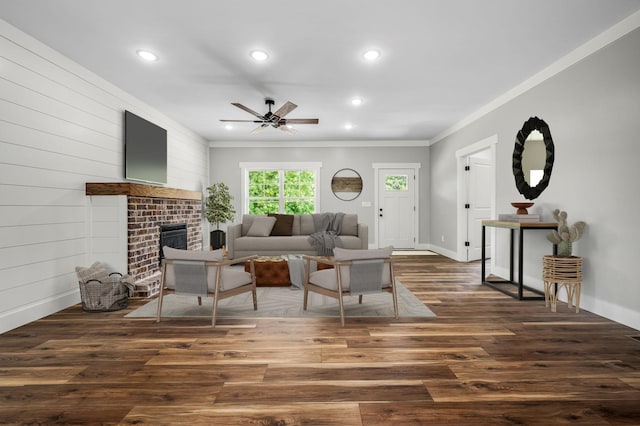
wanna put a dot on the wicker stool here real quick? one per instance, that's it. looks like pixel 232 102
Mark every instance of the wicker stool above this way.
pixel 558 272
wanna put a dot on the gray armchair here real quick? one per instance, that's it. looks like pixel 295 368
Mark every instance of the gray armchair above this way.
pixel 205 273
pixel 355 272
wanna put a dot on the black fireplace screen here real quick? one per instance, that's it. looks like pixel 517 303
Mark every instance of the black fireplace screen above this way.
pixel 174 236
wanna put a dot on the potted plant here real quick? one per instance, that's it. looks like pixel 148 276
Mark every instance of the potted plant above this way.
pixel 218 209
pixel 565 235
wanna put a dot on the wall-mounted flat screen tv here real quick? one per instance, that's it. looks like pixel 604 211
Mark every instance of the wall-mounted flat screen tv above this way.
pixel 145 150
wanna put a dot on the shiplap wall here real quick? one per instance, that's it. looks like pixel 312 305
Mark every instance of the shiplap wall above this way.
pixel 60 127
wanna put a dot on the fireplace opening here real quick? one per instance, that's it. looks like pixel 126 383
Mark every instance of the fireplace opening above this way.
pixel 174 236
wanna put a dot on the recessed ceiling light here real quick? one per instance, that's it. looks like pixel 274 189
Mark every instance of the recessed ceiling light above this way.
pixel 147 56
pixel 228 126
pixel 348 126
pixel 259 55
pixel 371 55
pixel 356 101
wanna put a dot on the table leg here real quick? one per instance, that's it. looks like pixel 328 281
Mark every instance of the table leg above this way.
pixel 483 271
pixel 511 250
pixel 520 260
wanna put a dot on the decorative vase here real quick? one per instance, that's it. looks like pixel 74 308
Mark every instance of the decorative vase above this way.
pixel 217 239
pixel 564 249
pixel 522 207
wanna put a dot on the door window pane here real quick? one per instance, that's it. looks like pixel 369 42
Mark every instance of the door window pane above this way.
pixel 396 183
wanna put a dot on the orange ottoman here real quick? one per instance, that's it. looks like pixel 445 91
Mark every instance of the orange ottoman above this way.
pixel 271 271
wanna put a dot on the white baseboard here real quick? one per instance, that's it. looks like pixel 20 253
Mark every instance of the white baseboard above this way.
pixel 445 252
pixel 26 314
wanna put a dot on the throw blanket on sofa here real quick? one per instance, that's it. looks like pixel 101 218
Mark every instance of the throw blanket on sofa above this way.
pixel 328 227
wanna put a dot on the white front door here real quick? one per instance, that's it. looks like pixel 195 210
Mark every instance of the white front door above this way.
pixel 479 196
pixel 396 208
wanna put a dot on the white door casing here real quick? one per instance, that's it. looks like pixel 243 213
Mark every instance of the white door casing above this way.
pixel 462 156
pixel 479 200
pixel 396 205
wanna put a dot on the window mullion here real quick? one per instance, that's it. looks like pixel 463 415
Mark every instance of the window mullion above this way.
pixel 281 203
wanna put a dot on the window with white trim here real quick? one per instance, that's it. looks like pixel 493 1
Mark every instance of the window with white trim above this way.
pixel 289 188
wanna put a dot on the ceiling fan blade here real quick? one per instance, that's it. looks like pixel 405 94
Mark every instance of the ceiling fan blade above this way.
pixel 249 110
pixel 259 128
pixel 301 121
pixel 285 109
pixel 288 129
pixel 243 121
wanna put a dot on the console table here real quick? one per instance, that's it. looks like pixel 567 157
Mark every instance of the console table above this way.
pixel 521 227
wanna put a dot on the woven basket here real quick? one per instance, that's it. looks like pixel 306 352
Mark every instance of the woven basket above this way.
pixel 99 296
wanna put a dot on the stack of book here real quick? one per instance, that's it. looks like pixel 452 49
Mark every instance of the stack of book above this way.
pixel 522 218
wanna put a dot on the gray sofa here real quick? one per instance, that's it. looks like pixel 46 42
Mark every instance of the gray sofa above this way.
pixel 353 235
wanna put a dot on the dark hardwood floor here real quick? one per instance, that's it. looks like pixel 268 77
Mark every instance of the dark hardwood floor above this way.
pixel 486 359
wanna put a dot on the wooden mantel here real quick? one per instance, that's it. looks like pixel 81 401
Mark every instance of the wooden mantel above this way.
pixel 140 190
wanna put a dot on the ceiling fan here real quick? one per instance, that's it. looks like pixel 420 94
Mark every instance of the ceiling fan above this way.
pixel 273 119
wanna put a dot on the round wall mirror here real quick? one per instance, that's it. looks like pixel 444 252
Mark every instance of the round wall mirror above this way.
pixel 533 157
pixel 346 184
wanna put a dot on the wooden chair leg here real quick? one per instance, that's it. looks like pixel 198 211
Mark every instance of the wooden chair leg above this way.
pixel 254 290
pixel 306 295
pixel 164 270
pixel 394 293
pixel 216 295
pixel 159 305
pixel 340 293
pixel 215 308
pixel 306 283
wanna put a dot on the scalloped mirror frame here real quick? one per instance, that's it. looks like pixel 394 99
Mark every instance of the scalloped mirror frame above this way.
pixel 533 123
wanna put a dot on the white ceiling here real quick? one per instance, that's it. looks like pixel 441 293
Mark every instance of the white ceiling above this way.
pixel 441 60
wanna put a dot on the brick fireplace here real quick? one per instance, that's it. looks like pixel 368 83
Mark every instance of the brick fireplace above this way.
pixel 145 216
pixel 148 208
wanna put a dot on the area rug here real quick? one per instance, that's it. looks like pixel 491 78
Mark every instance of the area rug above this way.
pixel 287 302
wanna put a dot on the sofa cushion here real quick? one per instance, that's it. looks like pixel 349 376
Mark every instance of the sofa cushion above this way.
pixel 303 224
pixel 350 224
pixel 283 225
pixel 261 226
pixel 295 229
pixel 247 221
pixel 307 226
pixel 292 244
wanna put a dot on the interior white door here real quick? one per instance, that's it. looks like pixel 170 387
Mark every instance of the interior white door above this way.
pixel 479 196
pixel 396 208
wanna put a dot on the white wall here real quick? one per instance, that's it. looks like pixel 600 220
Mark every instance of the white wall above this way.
pixel 593 111
pixel 60 127
pixel 225 168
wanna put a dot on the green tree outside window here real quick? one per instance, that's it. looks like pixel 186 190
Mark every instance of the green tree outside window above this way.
pixel 296 194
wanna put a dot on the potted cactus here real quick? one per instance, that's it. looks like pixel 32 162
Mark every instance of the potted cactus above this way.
pixel 565 235
pixel 218 209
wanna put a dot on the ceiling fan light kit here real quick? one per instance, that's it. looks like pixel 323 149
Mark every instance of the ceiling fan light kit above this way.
pixel 273 119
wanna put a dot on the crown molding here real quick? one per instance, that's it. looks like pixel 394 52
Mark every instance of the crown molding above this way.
pixel 316 144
